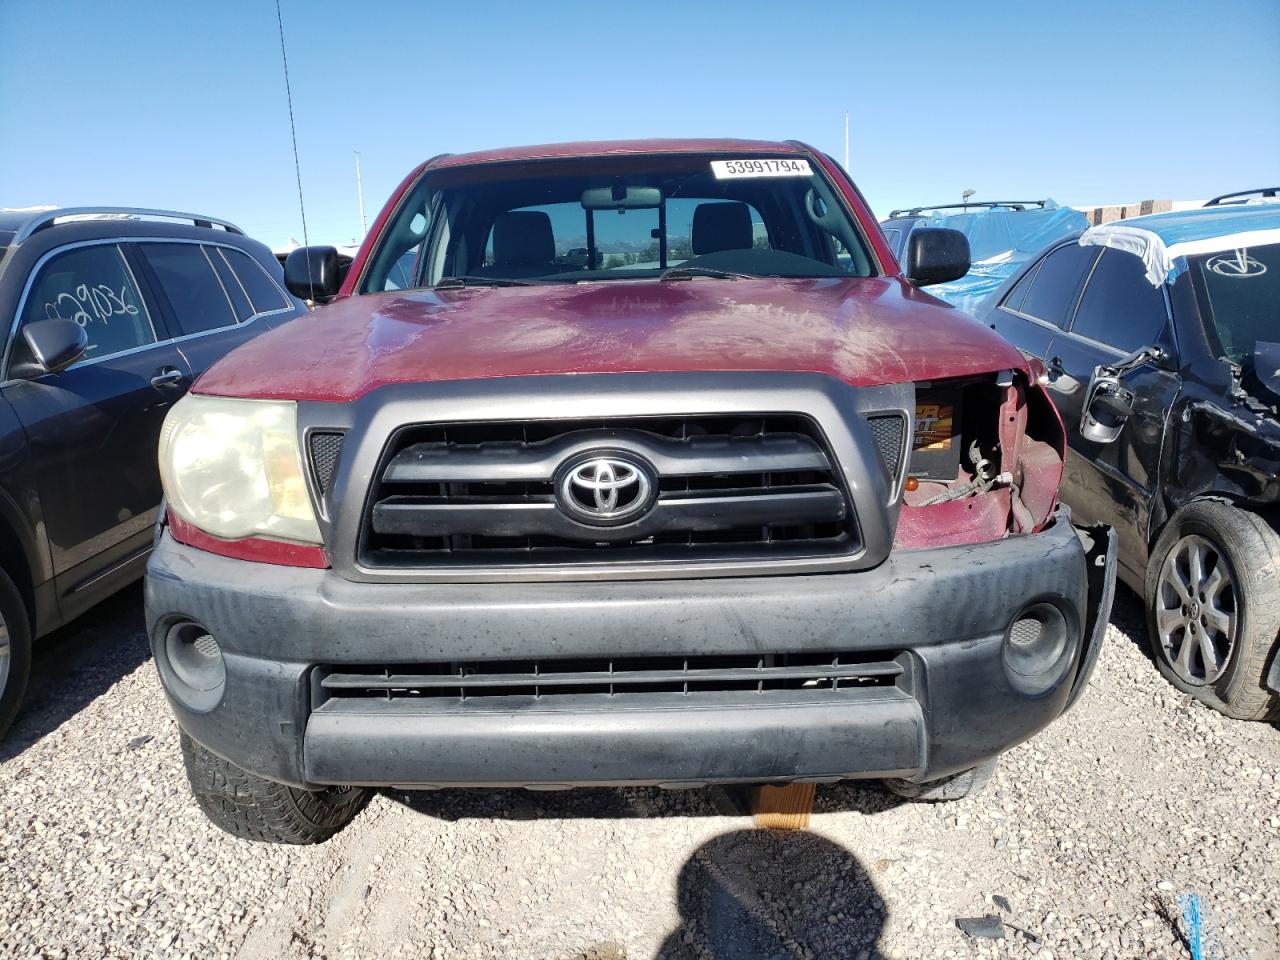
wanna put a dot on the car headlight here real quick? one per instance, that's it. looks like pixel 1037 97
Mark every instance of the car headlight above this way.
pixel 233 468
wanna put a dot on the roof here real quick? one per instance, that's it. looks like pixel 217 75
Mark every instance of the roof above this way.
pixel 1164 240
pixel 613 148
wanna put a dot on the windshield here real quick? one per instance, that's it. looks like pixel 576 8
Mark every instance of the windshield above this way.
pixel 1239 296
pixel 619 218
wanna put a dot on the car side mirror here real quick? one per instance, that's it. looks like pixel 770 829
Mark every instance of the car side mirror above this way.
pixel 312 273
pixel 936 255
pixel 1107 407
pixel 54 344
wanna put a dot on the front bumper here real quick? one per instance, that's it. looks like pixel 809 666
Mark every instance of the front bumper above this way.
pixel 944 615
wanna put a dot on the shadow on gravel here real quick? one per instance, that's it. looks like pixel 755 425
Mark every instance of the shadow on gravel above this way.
pixel 1129 616
pixel 772 893
pixel 625 803
pixel 78 663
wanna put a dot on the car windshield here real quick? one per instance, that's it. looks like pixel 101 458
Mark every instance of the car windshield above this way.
pixel 619 218
pixel 1239 296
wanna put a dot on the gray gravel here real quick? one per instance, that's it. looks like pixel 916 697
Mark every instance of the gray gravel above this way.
pixel 1083 843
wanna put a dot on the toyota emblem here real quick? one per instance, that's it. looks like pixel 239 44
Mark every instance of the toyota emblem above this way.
pixel 606 490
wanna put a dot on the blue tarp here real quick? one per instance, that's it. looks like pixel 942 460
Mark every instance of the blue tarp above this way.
pixel 1164 240
pixel 1000 241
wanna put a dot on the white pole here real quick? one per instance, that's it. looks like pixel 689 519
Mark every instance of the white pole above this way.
pixel 364 227
pixel 846 141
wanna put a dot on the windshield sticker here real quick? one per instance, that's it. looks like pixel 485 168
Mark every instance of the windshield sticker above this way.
pixel 773 167
pixel 1236 264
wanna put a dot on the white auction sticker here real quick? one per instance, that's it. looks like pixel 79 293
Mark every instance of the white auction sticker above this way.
pixel 771 167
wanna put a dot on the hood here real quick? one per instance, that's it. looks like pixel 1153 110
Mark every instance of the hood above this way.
pixel 864 331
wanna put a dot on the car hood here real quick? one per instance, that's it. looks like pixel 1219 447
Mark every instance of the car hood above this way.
pixel 864 331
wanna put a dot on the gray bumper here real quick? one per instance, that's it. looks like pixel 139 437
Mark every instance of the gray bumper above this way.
pixel 944 614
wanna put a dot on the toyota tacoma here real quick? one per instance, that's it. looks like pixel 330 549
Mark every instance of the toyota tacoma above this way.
pixel 616 463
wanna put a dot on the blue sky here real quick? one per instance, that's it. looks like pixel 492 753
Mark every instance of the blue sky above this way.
pixel 182 105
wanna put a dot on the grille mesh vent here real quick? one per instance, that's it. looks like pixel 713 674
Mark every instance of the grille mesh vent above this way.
pixel 887 432
pixel 1025 631
pixel 325 449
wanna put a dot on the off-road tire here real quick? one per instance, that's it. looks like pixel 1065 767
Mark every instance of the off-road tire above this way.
pixel 254 808
pixel 966 783
pixel 1251 547
pixel 18 628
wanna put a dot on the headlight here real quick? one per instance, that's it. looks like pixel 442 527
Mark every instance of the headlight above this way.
pixel 233 468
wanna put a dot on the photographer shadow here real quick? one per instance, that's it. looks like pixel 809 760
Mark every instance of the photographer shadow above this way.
pixel 765 894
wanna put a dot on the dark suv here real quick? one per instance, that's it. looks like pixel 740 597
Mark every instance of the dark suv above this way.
pixel 727 499
pixel 1160 336
pixel 112 314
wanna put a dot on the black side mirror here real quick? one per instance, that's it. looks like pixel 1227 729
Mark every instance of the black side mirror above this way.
pixel 1107 407
pixel 936 255
pixel 312 273
pixel 54 344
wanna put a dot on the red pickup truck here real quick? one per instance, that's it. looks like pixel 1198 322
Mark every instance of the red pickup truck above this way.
pixel 616 463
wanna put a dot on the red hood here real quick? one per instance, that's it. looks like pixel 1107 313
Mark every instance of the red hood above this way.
pixel 862 331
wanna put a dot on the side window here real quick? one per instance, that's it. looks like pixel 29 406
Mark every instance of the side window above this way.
pixel 193 289
pixel 894 236
pixel 1014 300
pixel 230 283
pixel 94 287
pixel 1054 287
pixel 1120 307
pixel 261 289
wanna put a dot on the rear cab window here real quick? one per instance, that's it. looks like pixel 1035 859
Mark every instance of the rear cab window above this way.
pixel 619 218
pixel 92 286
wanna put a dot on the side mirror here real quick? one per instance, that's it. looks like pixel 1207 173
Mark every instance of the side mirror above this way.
pixel 936 255
pixel 312 273
pixel 1107 407
pixel 54 344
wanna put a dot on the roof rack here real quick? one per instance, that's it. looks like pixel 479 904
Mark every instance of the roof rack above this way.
pixel 1243 196
pixel 47 218
pixel 986 204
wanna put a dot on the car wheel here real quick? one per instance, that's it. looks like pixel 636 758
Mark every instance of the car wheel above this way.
pixel 254 808
pixel 1213 607
pixel 15 651
pixel 966 783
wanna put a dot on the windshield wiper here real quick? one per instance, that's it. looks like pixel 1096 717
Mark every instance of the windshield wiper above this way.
pixel 457 283
pixel 688 273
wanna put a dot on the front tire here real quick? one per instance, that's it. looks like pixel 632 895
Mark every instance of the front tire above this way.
pixel 15 652
pixel 1213 607
pixel 966 783
pixel 254 808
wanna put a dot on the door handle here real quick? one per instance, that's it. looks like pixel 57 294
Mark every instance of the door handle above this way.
pixel 167 377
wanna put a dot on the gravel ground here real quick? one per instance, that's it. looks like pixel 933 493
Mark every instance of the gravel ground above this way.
pixel 1083 843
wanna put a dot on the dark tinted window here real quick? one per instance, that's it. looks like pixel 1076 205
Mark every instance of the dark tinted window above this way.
pixel 186 276
pixel 94 287
pixel 1120 307
pixel 1014 300
pixel 263 293
pixel 1054 287
pixel 231 283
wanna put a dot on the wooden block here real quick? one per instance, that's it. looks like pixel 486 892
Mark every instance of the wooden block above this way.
pixel 783 808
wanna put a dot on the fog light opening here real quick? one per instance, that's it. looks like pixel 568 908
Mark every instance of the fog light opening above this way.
pixel 1038 648
pixel 196 669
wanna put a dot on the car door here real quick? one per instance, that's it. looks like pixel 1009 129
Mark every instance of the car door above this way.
pixel 1119 312
pixel 214 297
pixel 1037 307
pixel 93 428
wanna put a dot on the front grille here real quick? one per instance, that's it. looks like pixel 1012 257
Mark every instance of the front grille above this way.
pixel 325 448
pixel 616 678
pixel 726 487
pixel 888 432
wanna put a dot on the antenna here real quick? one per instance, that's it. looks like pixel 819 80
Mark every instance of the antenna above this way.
pixel 364 227
pixel 846 141
pixel 293 132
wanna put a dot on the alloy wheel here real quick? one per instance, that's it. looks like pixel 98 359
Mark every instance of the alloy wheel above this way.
pixel 1196 611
